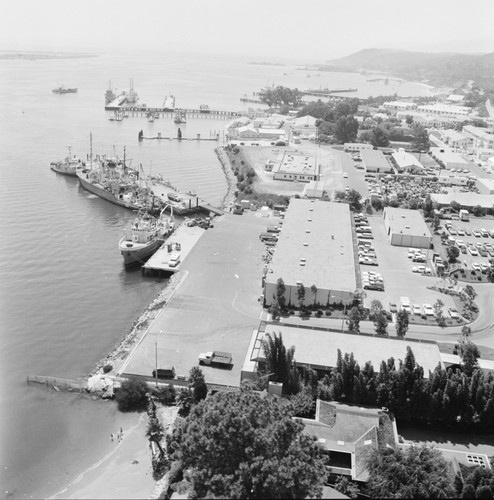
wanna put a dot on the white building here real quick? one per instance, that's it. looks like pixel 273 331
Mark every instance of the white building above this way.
pixel 445 110
pixel 375 161
pixel 481 137
pixel 296 166
pixel 406 162
pixel 449 158
pixel 455 139
pixel 406 228
pixel 399 106
pixel 315 189
pixel 304 126
pixel 314 250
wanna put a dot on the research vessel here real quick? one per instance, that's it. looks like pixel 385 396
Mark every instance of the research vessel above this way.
pixel 68 166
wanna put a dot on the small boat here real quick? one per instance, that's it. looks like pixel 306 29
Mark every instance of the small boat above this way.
pixel 180 116
pixel 68 166
pixel 63 90
pixel 144 236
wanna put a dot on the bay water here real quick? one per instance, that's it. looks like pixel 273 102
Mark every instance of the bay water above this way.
pixel 65 297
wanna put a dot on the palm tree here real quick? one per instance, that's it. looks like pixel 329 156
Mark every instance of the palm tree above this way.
pixel 313 289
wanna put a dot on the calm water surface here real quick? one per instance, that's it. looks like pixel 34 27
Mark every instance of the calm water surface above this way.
pixel 65 298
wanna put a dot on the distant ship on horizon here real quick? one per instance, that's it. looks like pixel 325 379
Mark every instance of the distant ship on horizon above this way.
pixel 63 90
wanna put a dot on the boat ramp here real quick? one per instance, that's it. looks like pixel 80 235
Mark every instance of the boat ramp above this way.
pixel 176 247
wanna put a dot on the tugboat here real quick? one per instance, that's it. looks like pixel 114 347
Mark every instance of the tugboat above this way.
pixel 144 236
pixel 68 166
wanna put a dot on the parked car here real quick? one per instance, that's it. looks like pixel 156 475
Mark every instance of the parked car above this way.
pixel 428 310
pixel 473 250
pixel 417 309
pixel 476 233
pixel 392 307
pixel 453 312
pixel 467 232
pixel 476 266
pixel 484 233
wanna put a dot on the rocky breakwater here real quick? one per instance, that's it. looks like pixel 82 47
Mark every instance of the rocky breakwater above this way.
pixel 229 199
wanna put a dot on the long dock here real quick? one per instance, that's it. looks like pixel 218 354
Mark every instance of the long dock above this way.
pixel 181 241
pixel 162 112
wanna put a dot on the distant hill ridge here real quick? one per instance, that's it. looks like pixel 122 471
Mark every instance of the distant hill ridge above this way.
pixel 443 68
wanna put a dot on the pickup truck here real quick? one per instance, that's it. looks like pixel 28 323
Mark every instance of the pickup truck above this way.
pixel 215 358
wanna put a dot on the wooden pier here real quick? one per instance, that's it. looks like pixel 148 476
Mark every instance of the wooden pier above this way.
pixel 181 242
pixel 58 383
pixel 142 111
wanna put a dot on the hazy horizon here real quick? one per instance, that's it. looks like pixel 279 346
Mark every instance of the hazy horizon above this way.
pixel 315 30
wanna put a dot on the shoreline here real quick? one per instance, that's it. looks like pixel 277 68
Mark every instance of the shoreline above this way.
pixel 228 201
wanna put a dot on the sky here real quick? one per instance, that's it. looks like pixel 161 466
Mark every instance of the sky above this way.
pixel 270 30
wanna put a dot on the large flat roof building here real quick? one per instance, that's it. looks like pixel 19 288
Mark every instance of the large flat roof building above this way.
pixel 406 228
pixel 318 348
pixel 375 161
pixel 449 158
pixel 315 247
pixel 296 166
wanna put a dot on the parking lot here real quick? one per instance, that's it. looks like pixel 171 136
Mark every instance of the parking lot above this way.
pixel 475 240
pixel 398 277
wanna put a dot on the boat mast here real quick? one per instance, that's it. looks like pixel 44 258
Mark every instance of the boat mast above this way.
pixel 91 148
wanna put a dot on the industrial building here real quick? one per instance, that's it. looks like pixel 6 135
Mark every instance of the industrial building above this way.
pixel 296 166
pixel 449 159
pixel 406 228
pixel 317 348
pixel 406 162
pixel 314 251
pixel 375 161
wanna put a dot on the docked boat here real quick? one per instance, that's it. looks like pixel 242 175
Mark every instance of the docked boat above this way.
pixel 113 180
pixel 68 166
pixel 144 236
pixel 180 116
pixel 63 90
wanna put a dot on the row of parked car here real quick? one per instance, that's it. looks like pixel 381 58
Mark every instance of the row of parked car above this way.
pixel 372 281
pixel 420 310
pixel 478 233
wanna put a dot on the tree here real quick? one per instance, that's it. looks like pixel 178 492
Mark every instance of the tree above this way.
pixel 346 129
pixel 198 384
pixel 313 289
pixel 239 445
pixel 402 319
pixel 453 253
pixel 354 316
pixel 347 487
pixel 470 293
pixel 185 401
pixel 303 403
pixel 477 210
pixel 300 295
pixel 409 119
pixel 132 395
pixel 280 293
pixel 155 432
pixel 354 198
pixel 379 137
pixel 381 323
pixel 455 206
pixel 420 136
pixel 428 207
pixel 469 353
pixel 376 307
pixel 436 223
pixel 279 361
pixel 417 472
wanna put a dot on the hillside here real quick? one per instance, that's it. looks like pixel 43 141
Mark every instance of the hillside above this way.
pixel 450 69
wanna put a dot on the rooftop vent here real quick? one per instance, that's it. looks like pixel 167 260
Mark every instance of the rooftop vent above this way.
pixel 305 244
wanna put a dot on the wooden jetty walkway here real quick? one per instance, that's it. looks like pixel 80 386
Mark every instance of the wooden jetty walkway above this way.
pixel 163 112
pixel 179 243
pixel 58 383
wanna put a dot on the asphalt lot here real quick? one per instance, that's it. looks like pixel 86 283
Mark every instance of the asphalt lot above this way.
pixel 474 223
pixel 215 307
pixel 396 269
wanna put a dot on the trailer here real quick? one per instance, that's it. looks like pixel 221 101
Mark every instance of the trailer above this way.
pixel 213 358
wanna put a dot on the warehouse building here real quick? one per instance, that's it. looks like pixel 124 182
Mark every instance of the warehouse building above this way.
pixel 406 228
pixel 296 166
pixel 375 161
pixel 314 251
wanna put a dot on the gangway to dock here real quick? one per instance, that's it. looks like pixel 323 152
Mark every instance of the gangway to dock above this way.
pixel 181 242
